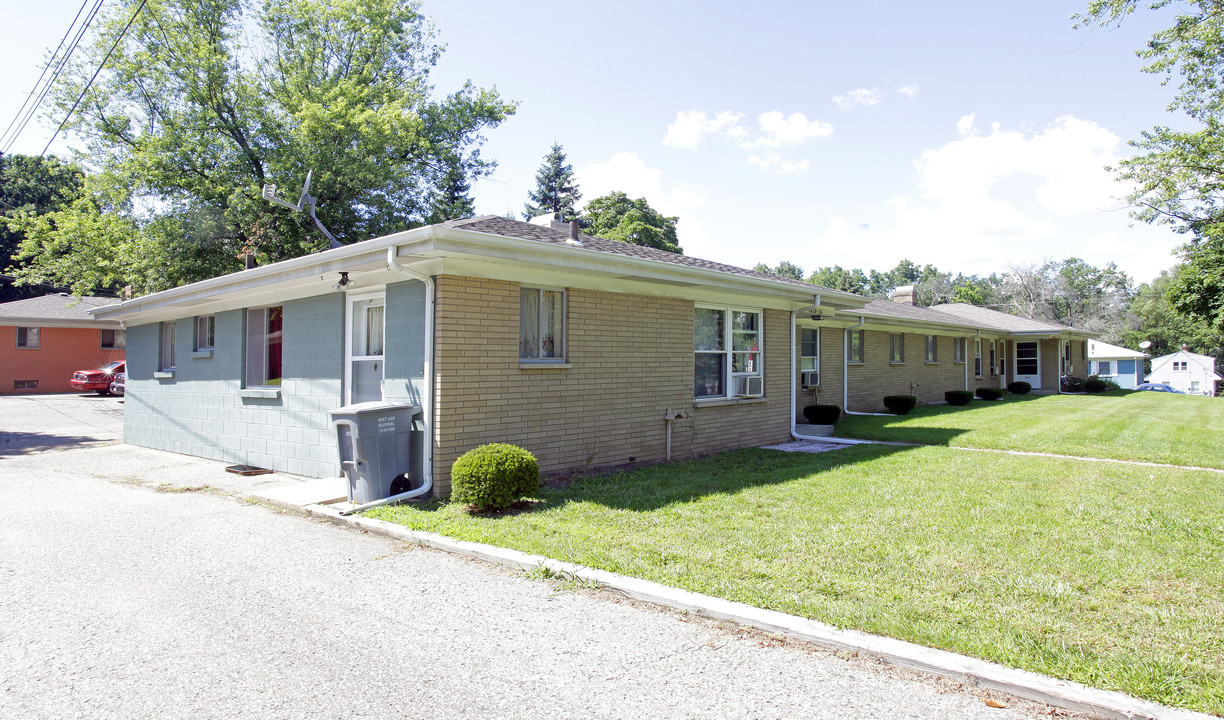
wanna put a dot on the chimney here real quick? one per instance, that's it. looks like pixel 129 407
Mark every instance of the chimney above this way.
pixel 904 295
pixel 573 228
pixel 1185 348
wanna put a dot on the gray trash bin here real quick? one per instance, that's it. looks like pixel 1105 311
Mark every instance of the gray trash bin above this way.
pixel 374 439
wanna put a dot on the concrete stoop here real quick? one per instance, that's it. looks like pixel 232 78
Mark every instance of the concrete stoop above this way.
pixel 970 671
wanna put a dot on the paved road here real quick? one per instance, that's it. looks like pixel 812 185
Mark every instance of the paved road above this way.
pixel 35 423
pixel 118 600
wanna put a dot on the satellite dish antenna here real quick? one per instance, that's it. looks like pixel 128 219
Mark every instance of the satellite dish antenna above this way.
pixel 1145 344
pixel 305 202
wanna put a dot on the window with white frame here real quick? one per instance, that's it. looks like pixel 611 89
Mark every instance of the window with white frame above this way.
pixel 727 353
pixel 166 354
pixel 205 331
pixel 896 347
pixel 809 357
pixel 977 358
pixel 1179 365
pixel 958 350
pixel 112 339
pixel 541 325
pixel 1066 357
pixel 29 338
pixel 264 330
pixel 932 349
pixel 854 346
pixel 1104 367
pixel 994 366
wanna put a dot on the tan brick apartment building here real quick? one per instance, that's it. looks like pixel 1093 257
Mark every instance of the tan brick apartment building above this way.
pixel 586 351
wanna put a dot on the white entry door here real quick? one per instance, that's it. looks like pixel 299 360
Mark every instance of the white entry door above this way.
pixel 1028 364
pixel 364 347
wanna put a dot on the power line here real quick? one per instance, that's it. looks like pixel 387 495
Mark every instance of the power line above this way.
pixel 63 62
pixel 95 75
pixel 43 74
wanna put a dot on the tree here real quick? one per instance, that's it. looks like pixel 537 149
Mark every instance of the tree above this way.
pixel 1159 322
pixel 838 278
pixel 556 190
pixel 1178 175
pixel 1070 292
pixel 195 121
pixel 450 200
pixel 784 269
pixel 32 186
pixel 616 217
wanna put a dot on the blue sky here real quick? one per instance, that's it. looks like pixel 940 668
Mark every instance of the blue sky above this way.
pixel 967 135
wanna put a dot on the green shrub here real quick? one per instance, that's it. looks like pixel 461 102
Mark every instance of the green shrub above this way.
pixel 958 397
pixel 1019 388
pixel 494 476
pixel 900 404
pixel 822 414
pixel 988 393
pixel 1095 384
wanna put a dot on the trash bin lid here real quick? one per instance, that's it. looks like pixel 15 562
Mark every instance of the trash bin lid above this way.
pixel 374 406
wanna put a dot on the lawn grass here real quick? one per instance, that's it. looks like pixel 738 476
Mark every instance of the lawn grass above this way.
pixel 1146 426
pixel 1110 575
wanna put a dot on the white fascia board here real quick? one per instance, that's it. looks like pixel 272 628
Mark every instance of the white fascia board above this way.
pixel 878 322
pixel 59 323
pixel 573 259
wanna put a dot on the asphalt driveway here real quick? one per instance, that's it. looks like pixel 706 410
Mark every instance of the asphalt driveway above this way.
pixel 140 584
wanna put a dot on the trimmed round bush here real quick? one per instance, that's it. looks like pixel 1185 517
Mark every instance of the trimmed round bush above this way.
pixel 494 476
pixel 958 397
pixel 900 404
pixel 1095 384
pixel 988 393
pixel 822 414
pixel 1019 388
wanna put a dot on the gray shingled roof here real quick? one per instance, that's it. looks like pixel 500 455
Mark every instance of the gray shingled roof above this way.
pixel 903 311
pixel 505 227
pixel 987 318
pixel 59 307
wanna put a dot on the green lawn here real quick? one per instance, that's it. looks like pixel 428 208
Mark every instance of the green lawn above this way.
pixel 1110 575
pixel 1148 426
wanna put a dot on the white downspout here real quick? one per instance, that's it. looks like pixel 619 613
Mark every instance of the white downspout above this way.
pixel 427 409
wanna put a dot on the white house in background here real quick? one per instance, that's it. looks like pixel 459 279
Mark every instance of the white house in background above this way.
pixel 1189 372
pixel 1110 362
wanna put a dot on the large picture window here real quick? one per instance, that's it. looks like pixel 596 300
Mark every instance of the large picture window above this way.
pixel 541 325
pixel 264 328
pixel 727 353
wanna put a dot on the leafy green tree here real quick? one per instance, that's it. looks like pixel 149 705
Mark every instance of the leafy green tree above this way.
pixel 205 101
pixel 836 277
pixel 450 200
pixel 784 269
pixel 556 190
pixel 616 217
pixel 32 186
pixel 1178 175
pixel 1159 322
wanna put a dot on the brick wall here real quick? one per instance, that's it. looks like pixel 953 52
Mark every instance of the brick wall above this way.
pixel 630 358
pixel 60 352
pixel 876 377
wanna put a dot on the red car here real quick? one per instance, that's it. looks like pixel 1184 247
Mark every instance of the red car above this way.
pixel 97 380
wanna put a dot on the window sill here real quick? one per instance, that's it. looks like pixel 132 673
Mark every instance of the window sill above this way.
pixel 545 365
pixel 896 362
pixel 260 393
pixel 163 375
pixel 201 354
pixel 719 402
pixel 855 362
pixel 932 362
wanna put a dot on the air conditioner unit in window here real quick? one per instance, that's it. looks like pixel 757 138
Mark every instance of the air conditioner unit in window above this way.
pixel 809 378
pixel 750 386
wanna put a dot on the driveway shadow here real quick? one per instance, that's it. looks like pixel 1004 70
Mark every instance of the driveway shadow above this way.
pixel 28 443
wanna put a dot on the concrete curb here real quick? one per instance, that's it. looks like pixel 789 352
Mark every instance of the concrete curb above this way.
pixel 1020 683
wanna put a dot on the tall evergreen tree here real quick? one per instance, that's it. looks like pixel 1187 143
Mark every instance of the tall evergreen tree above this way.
pixel 450 200
pixel 556 190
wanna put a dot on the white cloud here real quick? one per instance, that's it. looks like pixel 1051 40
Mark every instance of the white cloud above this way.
pixel 774 163
pixel 862 96
pixel 908 91
pixel 690 125
pixel 778 130
pixel 982 202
